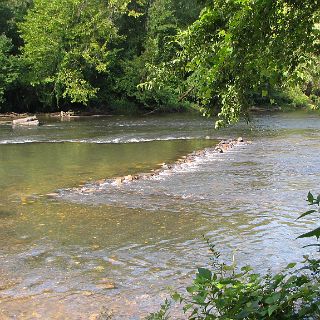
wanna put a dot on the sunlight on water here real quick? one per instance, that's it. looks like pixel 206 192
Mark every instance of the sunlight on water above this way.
pixel 121 246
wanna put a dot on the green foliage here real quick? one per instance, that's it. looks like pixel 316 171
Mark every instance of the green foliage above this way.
pixel 162 314
pixel 160 27
pixel 240 47
pixel 291 98
pixel 11 13
pixel 8 66
pixel 227 292
pixel 313 201
pixel 160 54
pixel 67 43
pixel 187 11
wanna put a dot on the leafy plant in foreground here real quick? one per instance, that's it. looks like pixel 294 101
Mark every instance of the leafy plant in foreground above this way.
pixel 225 292
pixel 162 314
pixel 313 201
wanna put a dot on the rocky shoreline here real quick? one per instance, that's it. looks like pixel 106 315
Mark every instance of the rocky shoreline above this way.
pixel 12 116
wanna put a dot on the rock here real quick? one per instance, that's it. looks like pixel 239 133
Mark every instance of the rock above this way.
pixel 128 177
pixel 29 121
pixel 149 175
pixel 119 181
pixel 67 114
pixel 106 286
pixel 199 153
pixel 52 195
pixel 224 146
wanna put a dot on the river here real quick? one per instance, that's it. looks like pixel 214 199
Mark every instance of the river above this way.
pixel 68 255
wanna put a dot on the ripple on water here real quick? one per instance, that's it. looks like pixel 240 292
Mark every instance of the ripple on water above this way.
pixel 112 246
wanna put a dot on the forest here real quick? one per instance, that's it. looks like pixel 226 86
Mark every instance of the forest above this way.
pixel 119 197
pixel 122 56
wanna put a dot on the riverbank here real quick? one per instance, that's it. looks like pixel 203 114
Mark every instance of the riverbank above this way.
pixel 66 115
pixel 69 114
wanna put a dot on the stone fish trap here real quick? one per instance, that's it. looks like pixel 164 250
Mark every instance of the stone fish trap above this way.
pixel 222 147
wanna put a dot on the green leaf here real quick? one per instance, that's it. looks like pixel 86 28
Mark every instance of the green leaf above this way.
pixel 313 233
pixel 246 268
pixel 191 289
pixel 291 265
pixel 205 273
pixel 176 297
pixel 312 245
pixel 310 197
pixel 187 307
pixel 273 298
pixel 306 213
pixel 271 309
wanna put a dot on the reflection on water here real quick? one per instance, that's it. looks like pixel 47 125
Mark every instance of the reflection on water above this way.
pixel 122 246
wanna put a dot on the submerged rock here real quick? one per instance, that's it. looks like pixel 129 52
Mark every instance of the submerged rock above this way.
pixel 106 283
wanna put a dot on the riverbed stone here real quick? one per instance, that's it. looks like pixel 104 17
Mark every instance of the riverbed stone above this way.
pixel 128 178
pixel 222 147
pixel 119 181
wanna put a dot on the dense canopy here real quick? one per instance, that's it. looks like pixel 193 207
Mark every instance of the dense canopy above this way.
pixel 120 55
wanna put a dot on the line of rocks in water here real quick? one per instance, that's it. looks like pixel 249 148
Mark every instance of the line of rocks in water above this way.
pixel 222 147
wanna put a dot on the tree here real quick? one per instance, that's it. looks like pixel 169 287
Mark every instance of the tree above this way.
pixel 238 48
pixel 160 25
pixel 8 66
pixel 68 43
pixel 11 13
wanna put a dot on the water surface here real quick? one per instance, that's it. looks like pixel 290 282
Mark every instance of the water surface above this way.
pixel 120 247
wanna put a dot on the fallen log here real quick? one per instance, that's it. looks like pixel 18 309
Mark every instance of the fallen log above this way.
pixel 29 121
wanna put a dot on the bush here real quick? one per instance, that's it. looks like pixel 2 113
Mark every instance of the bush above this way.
pixel 241 294
pixel 225 292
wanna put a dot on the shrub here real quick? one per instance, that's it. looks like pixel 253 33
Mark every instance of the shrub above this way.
pixel 227 292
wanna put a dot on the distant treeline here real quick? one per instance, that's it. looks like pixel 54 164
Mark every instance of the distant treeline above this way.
pixel 150 55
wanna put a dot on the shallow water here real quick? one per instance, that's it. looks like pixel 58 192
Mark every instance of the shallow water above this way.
pixel 69 255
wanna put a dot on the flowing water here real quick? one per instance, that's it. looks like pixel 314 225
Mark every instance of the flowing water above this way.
pixel 65 254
